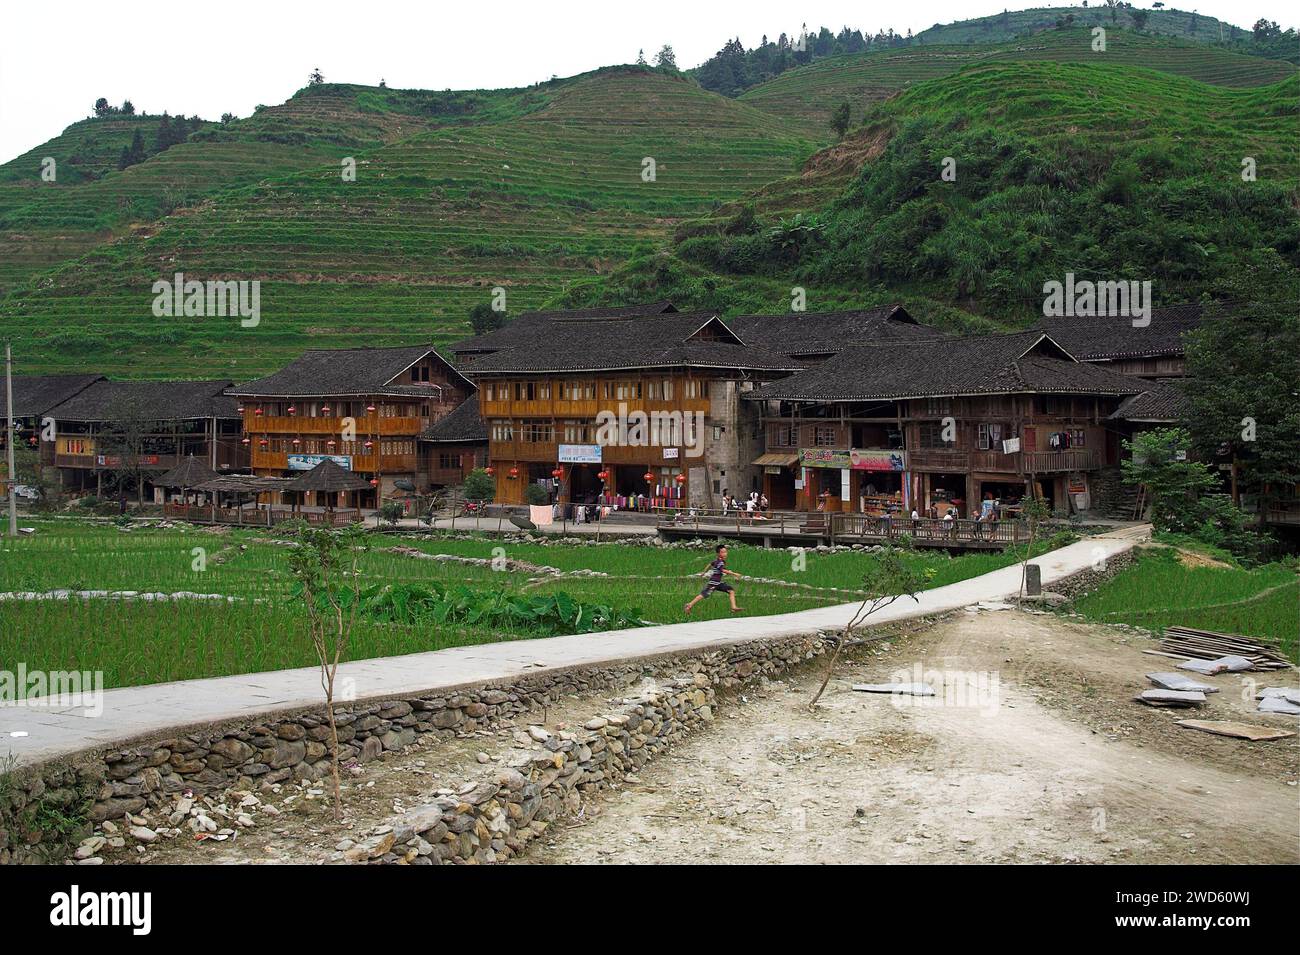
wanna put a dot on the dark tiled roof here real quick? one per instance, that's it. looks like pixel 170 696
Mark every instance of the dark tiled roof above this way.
pixel 824 333
pixel 652 341
pixel 1099 339
pixel 1161 401
pixel 107 400
pixel 36 394
pixel 463 425
pixel 507 335
pixel 338 372
pixel 1022 362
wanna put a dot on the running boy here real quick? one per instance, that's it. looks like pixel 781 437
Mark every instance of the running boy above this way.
pixel 715 573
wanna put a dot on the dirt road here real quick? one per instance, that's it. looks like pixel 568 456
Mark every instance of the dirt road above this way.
pixel 1051 762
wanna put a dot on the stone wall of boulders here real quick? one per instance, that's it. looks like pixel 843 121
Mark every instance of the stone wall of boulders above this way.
pixel 1086 581
pixel 494 818
pixel 122 781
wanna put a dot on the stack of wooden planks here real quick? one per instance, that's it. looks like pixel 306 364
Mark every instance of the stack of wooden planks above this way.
pixel 1184 643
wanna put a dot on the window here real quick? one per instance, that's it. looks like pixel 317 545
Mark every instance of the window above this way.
pixel 627 390
pixel 695 388
pixel 932 435
pixel 448 461
pixel 543 391
pixel 781 436
pixel 577 432
pixel 1076 437
pixel 503 431
pixel 1047 405
pixel 420 373
pixel 824 437
pixel 537 432
pixel 937 406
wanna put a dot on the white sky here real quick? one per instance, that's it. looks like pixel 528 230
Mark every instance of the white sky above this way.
pixel 216 57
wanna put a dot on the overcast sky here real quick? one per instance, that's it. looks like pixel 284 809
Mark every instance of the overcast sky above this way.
pixel 211 58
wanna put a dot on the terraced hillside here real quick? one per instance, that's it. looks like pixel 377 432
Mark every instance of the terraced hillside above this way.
pixel 1104 170
pixel 548 190
pixel 811 93
pixel 1010 24
pixel 91 202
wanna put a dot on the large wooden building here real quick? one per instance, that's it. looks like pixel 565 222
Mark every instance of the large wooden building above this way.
pixel 940 424
pixel 1153 350
pixel 635 406
pixel 126 432
pixel 363 408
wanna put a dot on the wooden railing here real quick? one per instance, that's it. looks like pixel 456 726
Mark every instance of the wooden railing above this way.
pixel 928 529
pixel 1042 462
pixel 301 424
pixel 262 516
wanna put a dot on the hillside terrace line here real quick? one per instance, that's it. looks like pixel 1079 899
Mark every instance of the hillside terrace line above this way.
pixel 865 412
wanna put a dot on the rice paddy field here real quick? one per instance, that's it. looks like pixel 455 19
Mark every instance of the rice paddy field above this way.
pixel 138 641
pixel 1161 590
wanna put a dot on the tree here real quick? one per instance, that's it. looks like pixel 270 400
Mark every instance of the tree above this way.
pixel 316 77
pixel 484 318
pixel 1160 460
pixel 889 577
pixel 840 119
pixel 1033 510
pixel 128 108
pixel 1139 18
pixel 134 153
pixel 479 486
pixel 640 58
pixel 102 108
pixel 666 59
pixel 324 564
pixel 123 442
pixel 227 118
pixel 1244 361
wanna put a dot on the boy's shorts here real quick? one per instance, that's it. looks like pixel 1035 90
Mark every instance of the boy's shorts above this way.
pixel 722 588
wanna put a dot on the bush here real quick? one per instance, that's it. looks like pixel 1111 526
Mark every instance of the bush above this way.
pixel 479 486
pixel 536 494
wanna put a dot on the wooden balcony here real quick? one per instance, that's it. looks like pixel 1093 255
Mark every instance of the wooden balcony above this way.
pixel 296 424
pixel 1046 462
pixel 938 459
pixel 588 408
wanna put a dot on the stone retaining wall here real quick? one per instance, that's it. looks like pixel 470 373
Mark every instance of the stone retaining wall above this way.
pixel 124 780
pixel 496 817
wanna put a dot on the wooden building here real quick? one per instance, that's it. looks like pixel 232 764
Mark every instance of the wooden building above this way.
pixel 1154 350
pixel 455 445
pixel 34 397
pixel 363 408
pixel 125 432
pixel 940 424
pixel 626 406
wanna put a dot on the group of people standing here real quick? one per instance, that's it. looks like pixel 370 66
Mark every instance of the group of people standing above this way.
pixel 755 506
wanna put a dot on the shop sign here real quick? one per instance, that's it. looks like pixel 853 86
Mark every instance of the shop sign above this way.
pixel 580 454
pixel 871 459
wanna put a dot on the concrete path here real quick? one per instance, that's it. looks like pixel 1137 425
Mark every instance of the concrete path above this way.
pixel 131 712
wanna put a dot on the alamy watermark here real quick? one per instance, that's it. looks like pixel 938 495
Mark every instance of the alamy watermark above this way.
pixel 213 298
pixel 1088 299
pixel 61 688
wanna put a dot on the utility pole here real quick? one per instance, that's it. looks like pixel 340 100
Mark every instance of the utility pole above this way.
pixel 12 483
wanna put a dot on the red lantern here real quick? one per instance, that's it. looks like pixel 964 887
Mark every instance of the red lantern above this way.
pixel 557 473
pixel 374 482
pixel 370 409
pixel 513 473
pixel 489 470
pixel 680 479
pixel 324 409
pixel 603 475
pixel 240 409
pixel 257 411
pixel 296 442
pixel 291 409
pixel 32 440
pixel 649 477
pixel 246 441
pixel 329 443
pixel 369 444
pixel 264 442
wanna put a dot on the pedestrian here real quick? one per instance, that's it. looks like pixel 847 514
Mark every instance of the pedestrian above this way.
pixel 726 502
pixel 717 569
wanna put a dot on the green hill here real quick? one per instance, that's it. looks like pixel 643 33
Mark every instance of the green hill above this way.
pixel 811 93
pixel 44 224
pixel 1011 24
pixel 535 189
pixel 1107 171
